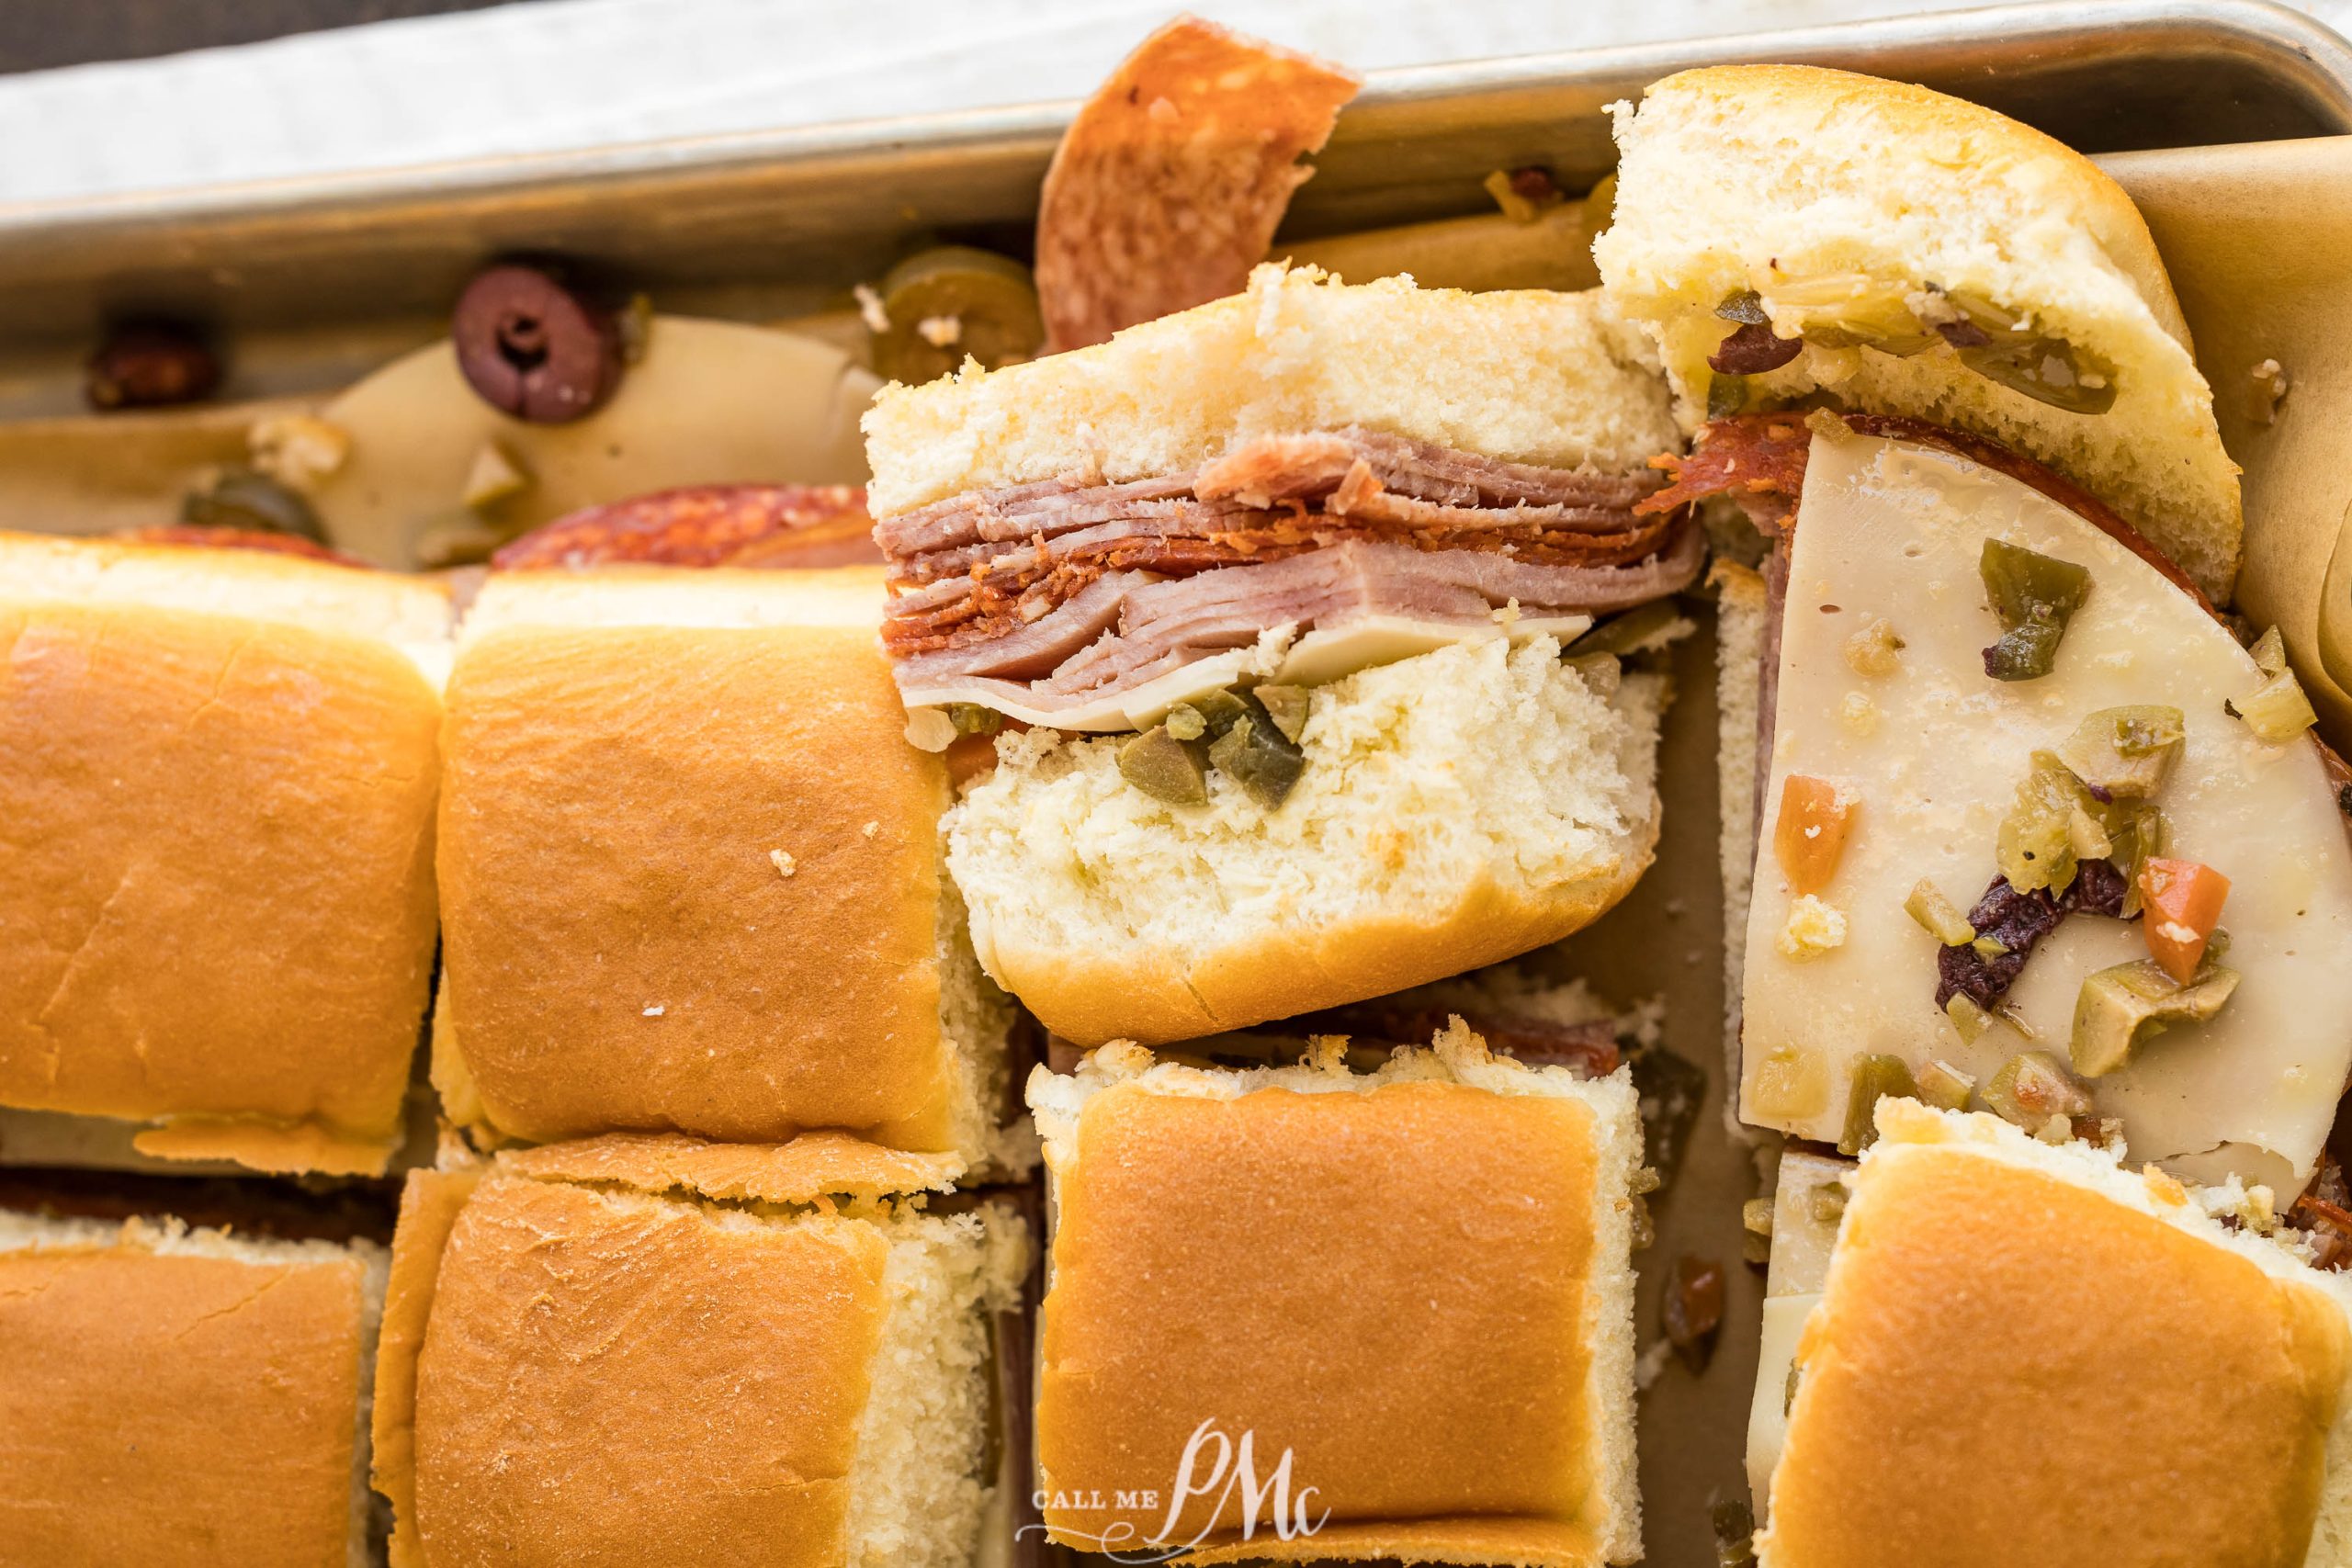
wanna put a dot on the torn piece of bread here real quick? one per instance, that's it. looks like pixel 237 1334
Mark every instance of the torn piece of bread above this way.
pixel 183 1396
pixel 2023 1353
pixel 1456 809
pixel 216 775
pixel 690 873
pixel 1525 375
pixel 603 1373
pixel 1856 213
pixel 1410 1290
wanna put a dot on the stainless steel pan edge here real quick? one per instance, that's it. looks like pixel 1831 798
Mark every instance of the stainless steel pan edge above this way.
pixel 744 218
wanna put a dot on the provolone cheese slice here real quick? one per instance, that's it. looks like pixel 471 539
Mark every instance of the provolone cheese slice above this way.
pixel 1768 1413
pixel 1935 752
pixel 1323 654
pixel 711 402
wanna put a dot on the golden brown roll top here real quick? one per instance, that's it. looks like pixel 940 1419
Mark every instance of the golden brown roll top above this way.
pixel 2026 1355
pixel 576 1374
pixel 217 902
pixel 179 1396
pixel 691 871
pixel 1407 1290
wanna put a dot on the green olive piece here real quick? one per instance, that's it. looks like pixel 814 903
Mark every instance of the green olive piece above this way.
pixel 2269 651
pixel 2136 833
pixel 1259 758
pixel 2120 1009
pixel 972 719
pixel 1745 307
pixel 1944 1086
pixel 2036 844
pixel 1628 633
pixel 2047 370
pixel 255 501
pixel 2033 596
pixel 1218 711
pixel 1727 395
pixel 951 302
pixel 2126 751
pixel 1165 767
pixel 2277 711
pixel 1286 705
pixel 2032 1087
pixel 1185 722
pixel 1876 1078
pixel 1967 1017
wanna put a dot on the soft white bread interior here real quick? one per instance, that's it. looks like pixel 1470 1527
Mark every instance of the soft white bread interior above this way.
pixel 1844 202
pixel 1526 376
pixel 1453 1374
pixel 658 1361
pixel 1457 809
pixel 410 612
pixel 216 899
pixel 2026 1353
pixel 184 1396
pixel 690 873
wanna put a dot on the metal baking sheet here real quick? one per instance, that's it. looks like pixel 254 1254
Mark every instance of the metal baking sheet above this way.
pixel 315 280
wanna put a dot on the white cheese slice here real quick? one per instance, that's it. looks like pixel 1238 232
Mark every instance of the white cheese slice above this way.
pixel 1935 752
pixel 1323 654
pixel 1768 1413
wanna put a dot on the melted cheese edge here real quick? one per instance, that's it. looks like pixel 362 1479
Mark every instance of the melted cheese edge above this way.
pixel 1893 531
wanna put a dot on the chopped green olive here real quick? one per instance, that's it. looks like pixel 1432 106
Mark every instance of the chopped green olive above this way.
pixel 1165 767
pixel 2120 1009
pixel 2269 651
pixel 1989 948
pixel 1727 395
pixel 941 305
pixel 1967 1017
pixel 1286 705
pixel 1744 306
pixel 2126 751
pixel 2277 711
pixel 2033 596
pixel 1946 1086
pixel 2047 370
pixel 2032 1087
pixel 2036 846
pixel 1185 723
pixel 1628 633
pixel 253 501
pixel 1875 1077
pixel 1939 916
pixel 2001 346
pixel 2136 833
pixel 1259 758
pixel 1218 710
pixel 972 719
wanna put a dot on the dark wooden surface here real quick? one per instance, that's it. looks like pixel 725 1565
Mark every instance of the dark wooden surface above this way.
pixel 37 33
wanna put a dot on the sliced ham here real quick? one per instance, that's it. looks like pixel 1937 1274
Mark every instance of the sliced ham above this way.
pixel 1163 626
pixel 1064 593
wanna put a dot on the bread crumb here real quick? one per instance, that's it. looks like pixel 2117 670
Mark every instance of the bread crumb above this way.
pixel 784 864
pixel 870 310
pixel 2163 1186
pixel 940 330
pixel 1812 929
pixel 870 828
pixel 656 1011
pixel 2269 389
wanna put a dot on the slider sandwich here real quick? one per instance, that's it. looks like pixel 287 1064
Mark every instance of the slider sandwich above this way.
pixel 216 775
pixel 2031 828
pixel 1305 1314
pixel 1270 599
pixel 1981 1349
pixel 690 873
pixel 643 1351
pixel 182 1396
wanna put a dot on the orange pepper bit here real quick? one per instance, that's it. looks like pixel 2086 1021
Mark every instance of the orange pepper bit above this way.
pixel 2182 904
pixel 1810 838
